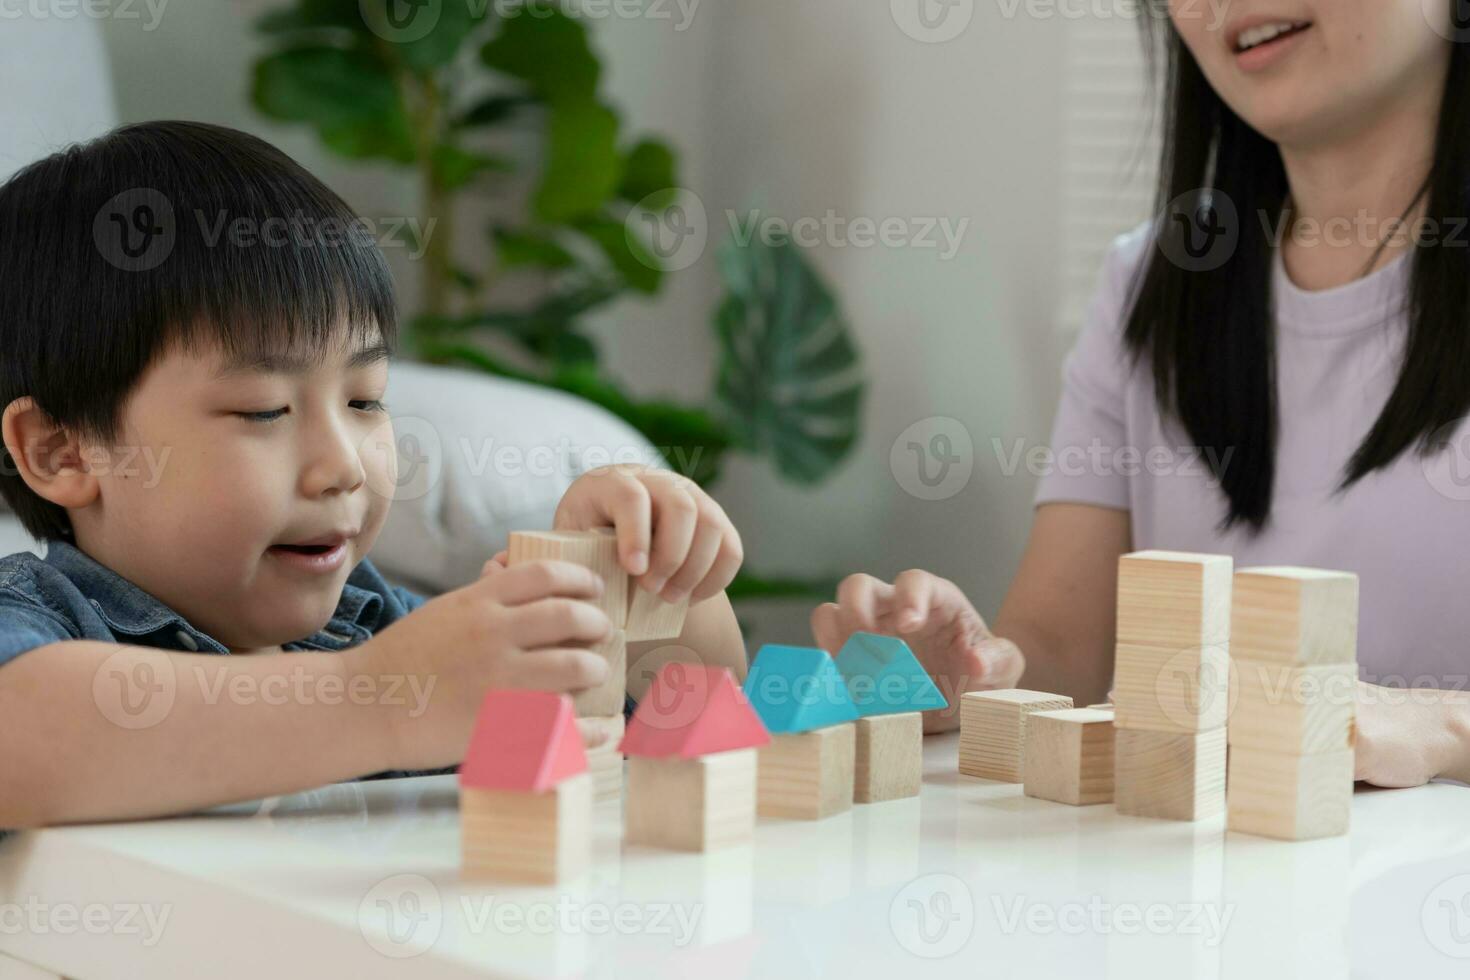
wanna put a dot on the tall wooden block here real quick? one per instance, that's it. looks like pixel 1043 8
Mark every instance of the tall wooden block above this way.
pixel 1294 710
pixel 993 730
pixel 889 757
pixel 596 549
pixel 535 838
pixel 693 804
pixel 1291 797
pixel 1171 690
pixel 1174 600
pixel 609 697
pixel 1170 775
pixel 650 618
pixel 807 775
pixel 1295 616
pixel 1069 756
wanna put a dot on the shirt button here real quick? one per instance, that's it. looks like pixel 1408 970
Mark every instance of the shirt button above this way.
pixel 186 640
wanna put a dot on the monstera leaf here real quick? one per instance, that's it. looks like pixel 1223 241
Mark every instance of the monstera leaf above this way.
pixel 790 378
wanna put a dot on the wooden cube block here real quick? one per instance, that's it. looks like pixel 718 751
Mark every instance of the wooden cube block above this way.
pixel 993 730
pixel 889 757
pixel 1171 690
pixel 1170 775
pixel 1069 756
pixel 1295 616
pixel 807 775
pixel 596 549
pixel 1174 600
pixel 536 838
pixel 605 766
pixel 609 697
pixel 1291 797
pixel 691 804
pixel 650 618
pixel 1294 710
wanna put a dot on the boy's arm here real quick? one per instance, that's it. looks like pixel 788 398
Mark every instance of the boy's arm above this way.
pixel 98 731
pixel 711 636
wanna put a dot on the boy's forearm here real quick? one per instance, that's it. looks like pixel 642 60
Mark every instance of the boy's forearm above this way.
pixel 711 636
pixel 99 731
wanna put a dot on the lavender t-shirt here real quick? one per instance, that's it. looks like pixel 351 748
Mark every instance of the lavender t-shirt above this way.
pixel 1404 530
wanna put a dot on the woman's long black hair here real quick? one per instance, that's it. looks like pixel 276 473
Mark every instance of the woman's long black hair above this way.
pixel 1208 334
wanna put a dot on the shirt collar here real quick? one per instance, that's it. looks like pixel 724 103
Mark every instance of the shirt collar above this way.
pixel 130 610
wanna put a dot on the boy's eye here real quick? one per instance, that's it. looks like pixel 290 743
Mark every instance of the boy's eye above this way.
pixel 269 416
pixel 368 405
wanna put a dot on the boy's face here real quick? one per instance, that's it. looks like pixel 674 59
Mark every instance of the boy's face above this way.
pixel 258 457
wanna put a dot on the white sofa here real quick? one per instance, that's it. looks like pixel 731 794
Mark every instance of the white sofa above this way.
pixel 486 455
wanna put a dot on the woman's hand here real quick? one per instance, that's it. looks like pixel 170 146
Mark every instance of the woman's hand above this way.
pixel 672 536
pixel 939 624
pixel 1408 736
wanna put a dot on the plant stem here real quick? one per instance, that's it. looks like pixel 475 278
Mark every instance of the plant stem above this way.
pixel 438 223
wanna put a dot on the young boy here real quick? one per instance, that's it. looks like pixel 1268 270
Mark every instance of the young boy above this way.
pixel 196 337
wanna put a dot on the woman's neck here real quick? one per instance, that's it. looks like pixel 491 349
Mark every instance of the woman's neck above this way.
pixel 1347 193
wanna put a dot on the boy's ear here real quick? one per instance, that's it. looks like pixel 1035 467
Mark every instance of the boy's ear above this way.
pixel 46 455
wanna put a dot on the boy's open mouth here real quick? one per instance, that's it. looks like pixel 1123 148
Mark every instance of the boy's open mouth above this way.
pixel 318 553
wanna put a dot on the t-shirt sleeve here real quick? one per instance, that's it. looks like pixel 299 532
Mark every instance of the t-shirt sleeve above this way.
pixel 1091 425
pixel 25 625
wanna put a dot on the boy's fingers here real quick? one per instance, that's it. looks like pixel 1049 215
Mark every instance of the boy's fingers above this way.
pixel 627 506
pixel 827 627
pixel 675 519
pixel 494 565
pixel 722 572
pixel 561 669
pixel 701 558
pixel 533 580
pixel 559 622
pixel 913 593
pixel 858 598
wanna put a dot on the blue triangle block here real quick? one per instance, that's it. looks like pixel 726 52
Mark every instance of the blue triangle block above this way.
pixel 797 689
pixel 884 677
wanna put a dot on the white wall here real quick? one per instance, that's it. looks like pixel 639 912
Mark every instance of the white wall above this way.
pixel 801 107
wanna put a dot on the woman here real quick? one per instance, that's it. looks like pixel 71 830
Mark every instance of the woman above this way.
pixel 1278 320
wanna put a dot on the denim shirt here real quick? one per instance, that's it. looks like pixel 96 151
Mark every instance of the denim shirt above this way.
pixel 68 595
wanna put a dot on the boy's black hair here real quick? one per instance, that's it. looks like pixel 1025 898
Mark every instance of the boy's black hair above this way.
pixel 166 233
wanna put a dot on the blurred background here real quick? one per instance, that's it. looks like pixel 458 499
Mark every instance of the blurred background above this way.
pixel 833 251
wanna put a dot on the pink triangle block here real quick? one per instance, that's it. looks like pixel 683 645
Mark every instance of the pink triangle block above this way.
pixel 692 710
pixel 523 740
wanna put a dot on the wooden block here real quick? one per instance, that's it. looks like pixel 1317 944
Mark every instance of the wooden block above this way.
pixel 1294 710
pixel 537 838
pixel 692 804
pixel 1170 775
pixel 1069 756
pixel 1173 599
pixel 650 618
pixel 611 695
pixel 888 757
pixel 807 775
pixel 993 730
pixel 605 766
pixel 1291 797
pixel 1171 690
pixel 1295 616
pixel 596 549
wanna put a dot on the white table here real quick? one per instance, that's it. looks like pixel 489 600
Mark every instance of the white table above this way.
pixel 972 879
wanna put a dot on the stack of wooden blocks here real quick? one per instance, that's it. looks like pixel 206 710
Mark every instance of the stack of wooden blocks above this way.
pixel 635 615
pixel 1171 684
pixel 1292 730
pixel 993 730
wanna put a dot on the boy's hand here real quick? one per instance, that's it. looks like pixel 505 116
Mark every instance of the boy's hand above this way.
pixel 938 623
pixel 522 627
pixel 672 537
